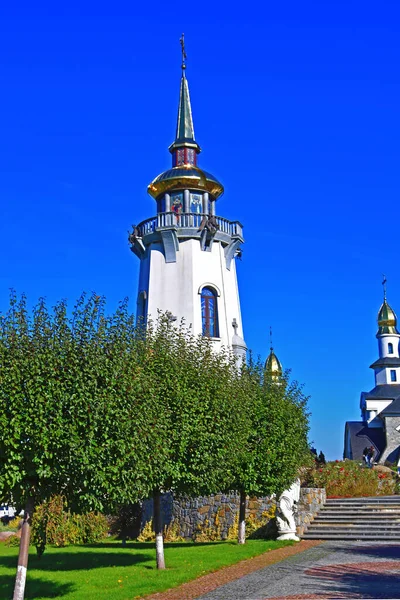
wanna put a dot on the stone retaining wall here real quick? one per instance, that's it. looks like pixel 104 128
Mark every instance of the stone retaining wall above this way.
pixel 194 515
pixel 311 500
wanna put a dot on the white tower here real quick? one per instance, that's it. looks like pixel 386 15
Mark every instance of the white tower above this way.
pixel 187 253
pixel 386 368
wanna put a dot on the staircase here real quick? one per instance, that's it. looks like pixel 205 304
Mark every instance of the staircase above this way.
pixel 374 518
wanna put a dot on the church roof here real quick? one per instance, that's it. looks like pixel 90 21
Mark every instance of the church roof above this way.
pixel 393 409
pixel 389 391
pixel 273 364
pixel 184 126
pixel 182 177
pixel 361 435
pixel 388 361
pixel 387 320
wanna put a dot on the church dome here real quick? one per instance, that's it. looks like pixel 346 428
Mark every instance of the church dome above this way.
pixel 273 366
pixel 185 177
pixel 387 320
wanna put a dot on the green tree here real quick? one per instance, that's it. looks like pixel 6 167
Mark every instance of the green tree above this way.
pixel 276 445
pixel 72 416
pixel 199 424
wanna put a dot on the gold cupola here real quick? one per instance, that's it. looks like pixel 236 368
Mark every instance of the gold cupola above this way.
pixel 387 319
pixel 273 367
pixel 185 174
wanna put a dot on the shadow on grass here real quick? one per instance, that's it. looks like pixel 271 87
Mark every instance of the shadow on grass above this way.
pixel 79 561
pixel 36 588
pixel 151 545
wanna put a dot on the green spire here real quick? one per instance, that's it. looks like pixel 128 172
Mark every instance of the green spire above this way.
pixel 184 137
pixel 184 126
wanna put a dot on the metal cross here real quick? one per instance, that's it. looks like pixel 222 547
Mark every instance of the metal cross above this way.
pixel 384 286
pixel 270 337
pixel 182 42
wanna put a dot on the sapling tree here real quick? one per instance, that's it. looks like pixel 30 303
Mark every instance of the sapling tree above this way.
pixel 72 416
pixel 276 445
pixel 200 425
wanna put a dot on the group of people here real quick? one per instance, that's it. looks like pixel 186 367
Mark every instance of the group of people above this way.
pixel 368 455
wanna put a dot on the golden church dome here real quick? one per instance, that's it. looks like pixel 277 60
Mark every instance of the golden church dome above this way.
pixel 387 319
pixel 273 366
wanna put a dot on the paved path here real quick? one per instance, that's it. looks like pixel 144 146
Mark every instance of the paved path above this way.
pixel 331 570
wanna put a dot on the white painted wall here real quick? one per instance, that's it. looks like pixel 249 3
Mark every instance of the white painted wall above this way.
pixel 383 343
pixel 382 375
pixel 175 286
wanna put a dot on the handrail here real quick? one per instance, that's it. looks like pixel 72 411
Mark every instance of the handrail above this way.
pixel 187 220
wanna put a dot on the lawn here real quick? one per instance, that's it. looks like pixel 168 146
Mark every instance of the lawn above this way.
pixel 108 571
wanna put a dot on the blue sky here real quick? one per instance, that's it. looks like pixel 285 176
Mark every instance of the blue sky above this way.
pixel 296 107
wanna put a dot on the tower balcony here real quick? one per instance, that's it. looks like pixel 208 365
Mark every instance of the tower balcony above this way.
pixel 170 227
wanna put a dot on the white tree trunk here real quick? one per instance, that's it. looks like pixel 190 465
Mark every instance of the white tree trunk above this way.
pixel 158 529
pixel 20 579
pixel 242 518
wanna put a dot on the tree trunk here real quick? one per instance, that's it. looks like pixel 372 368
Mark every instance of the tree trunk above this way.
pixel 20 579
pixel 158 529
pixel 242 518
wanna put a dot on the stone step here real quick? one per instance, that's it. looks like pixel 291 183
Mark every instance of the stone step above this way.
pixel 382 525
pixel 393 498
pixel 366 520
pixel 350 536
pixel 354 511
pixel 347 526
pixel 361 504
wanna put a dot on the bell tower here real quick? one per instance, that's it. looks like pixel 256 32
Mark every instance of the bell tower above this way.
pixel 187 252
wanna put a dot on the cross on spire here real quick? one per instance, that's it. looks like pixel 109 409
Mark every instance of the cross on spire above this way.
pixel 384 281
pixel 184 56
pixel 270 338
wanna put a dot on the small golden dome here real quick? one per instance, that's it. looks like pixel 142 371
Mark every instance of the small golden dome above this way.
pixel 387 319
pixel 273 366
pixel 185 177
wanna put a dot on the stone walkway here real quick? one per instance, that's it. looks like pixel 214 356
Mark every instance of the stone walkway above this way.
pixel 331 570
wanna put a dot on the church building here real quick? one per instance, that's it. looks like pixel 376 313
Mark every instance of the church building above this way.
pixel 380 408
pixel 187 252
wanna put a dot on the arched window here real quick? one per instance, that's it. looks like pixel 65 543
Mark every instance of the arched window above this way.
pixel 390 348
pixel 209 312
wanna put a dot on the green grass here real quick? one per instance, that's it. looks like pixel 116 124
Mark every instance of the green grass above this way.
pixel 108 571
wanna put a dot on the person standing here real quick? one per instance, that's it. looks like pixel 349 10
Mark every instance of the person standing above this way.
pixel 365 456
pixel 371 453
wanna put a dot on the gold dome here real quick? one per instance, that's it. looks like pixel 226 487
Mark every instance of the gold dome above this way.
pixel 387 319
pixel 185 177
pixel 273 366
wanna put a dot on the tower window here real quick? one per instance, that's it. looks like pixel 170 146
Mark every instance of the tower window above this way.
pixel 390 348
pixel 209 313
pixel 393 375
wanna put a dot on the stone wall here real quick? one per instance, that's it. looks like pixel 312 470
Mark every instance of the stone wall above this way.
pixel 392 450
pixel 194 515
pixel 311 500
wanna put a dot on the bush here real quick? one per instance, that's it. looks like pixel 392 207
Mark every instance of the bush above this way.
pixel 350 479
pixel 52 524
pixel 13 540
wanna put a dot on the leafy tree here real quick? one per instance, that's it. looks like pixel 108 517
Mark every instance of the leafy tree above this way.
pixel 72 416
pixel 199 426
pixel 276 446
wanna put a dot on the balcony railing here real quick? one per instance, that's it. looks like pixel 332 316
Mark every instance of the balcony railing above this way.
pixel 187 220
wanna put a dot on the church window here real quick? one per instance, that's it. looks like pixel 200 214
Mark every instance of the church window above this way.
pixel 176 204
pixel 390 348
pixel 196 203
pixel 209 313
pixel 393 375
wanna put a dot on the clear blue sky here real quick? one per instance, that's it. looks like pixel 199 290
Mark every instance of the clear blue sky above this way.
pixel 296 107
